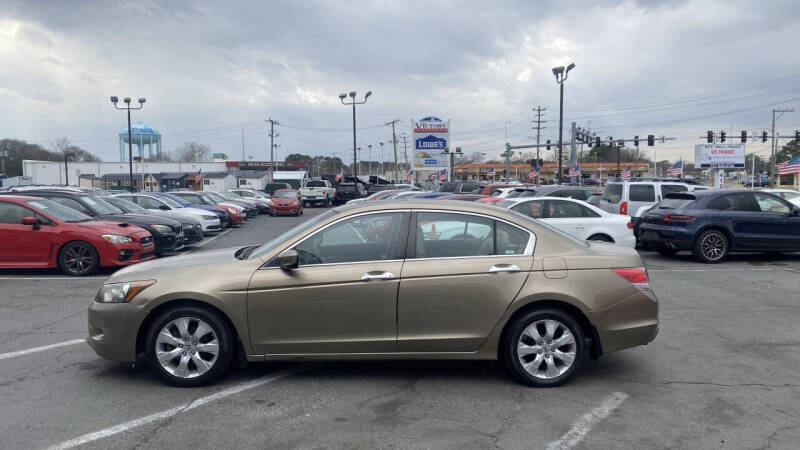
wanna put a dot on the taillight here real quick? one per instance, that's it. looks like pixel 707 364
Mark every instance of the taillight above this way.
pixel 678 218
pixel 636 276
pixel 623 208
pixel 630 225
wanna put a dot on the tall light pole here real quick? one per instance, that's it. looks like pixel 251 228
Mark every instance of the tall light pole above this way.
pixel 128 107
pixel 381 143
pixel 370 160
pixel 561 76
pixel 353 102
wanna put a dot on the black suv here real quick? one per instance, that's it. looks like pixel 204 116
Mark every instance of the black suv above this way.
pixel 348 191
pixel 272 187
pixel 167 233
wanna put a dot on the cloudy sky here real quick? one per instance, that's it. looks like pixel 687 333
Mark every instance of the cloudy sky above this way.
pixel 209 69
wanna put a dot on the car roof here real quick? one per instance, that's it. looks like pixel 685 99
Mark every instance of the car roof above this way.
pixel 60 192
pixel 13 198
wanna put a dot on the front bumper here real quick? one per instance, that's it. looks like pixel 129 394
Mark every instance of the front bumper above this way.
pixel 169 243
pixel 192 234
pixel 629 323
pixel 113 255
pixel 113 329
pixel 284 210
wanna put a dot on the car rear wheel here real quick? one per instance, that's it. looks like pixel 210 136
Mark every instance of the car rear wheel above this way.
pixel 544 348
pixel 711 247
pixel 78 259
pixel 189 346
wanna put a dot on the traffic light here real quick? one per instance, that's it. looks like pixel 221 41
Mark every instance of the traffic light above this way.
pixel 722 136
pixel 548 144
pixel 797 137
pixel 610 141
pixel 651 140
pixel 710 137
pixel 636 141
pixel 597 141
pixel 621 143
pixel 763 136
pixel 744 136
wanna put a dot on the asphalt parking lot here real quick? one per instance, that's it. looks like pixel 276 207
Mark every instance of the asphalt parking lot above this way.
pixel 723 373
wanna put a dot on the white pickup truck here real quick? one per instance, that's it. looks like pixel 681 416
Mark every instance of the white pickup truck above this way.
pixel 317 191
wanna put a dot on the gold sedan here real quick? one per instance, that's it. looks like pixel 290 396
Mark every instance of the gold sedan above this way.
pixel 416 279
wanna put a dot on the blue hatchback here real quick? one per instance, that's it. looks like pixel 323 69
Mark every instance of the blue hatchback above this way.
pixel 713 223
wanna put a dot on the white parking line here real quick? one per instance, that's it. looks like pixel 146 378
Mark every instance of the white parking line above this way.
pixel 125 426
pixel 41 349
pixel 584 425
pixel 211 239
pixel 747 269
pixel 45 278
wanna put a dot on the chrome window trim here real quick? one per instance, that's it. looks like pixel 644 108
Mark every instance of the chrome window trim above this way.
pixel 528 248
pixel 319 230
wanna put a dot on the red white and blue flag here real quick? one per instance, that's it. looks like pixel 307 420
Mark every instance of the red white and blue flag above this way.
pixel 575 171
pixel 626 174
pixel 198 176
pixel 339 175
pixel 676 170
pixel 410 176
pixel 533 174
pixel 490 173
pixel 789 167
pixel 443 175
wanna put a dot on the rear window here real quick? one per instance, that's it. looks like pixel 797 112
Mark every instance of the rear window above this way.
pixel 675 203
pixel 642 193
pixel 505 203
pixel 346 188
pixel 295 184
pixel 315 183
pixel 667 189
pixel 448 187
pixel 612 193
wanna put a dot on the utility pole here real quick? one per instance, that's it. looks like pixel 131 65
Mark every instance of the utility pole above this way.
pixel 242 144
pixel 508 154
pixel 539 113
pixel 780 112
pixel 394 143
pixel 272 124
pixel 405 150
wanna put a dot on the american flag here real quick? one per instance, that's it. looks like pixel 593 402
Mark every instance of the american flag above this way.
pixel 575 171
pixel 339 175
pixel 410 176
pixel 490 173
pixel 677 169
pixel 198 176
pixel 626 174
pixel 789 167
pixel 443 175
pixel 533 174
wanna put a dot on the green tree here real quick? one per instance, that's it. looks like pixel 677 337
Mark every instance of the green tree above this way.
pixel 787 152
pixel 17 151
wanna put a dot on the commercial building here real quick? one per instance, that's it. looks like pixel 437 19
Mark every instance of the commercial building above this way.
pixel 600 170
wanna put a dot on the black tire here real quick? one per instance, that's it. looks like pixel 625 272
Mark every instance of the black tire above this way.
pixel 78 259
pixel 711 247
pixel 666 251
pixel 600 238
pixel 509 350
pixel 327 203
pixel 220 329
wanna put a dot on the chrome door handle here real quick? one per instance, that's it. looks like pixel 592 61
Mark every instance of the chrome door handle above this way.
pixel 377 275
pixel 504 268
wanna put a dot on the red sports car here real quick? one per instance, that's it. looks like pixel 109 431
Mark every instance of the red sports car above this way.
pixel 39 233
pixel 286 201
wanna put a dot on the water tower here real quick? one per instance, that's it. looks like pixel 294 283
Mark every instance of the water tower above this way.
pixel 141 135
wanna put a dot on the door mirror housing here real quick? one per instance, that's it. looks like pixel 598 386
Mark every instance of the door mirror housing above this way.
pixel 288 260
pixel 795 211
pixel 164 207
pixel 33 221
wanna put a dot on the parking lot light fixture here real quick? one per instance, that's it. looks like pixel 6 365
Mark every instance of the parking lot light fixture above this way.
pixel 353 102
pixel 128 107
pixel 561 76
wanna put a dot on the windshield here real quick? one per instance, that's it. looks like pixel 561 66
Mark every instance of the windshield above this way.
pixel 100 206
pixel 170 202
pixel 127 205
pixel 506 203
pixel 285 194
pixel 271 245
pixel 59 211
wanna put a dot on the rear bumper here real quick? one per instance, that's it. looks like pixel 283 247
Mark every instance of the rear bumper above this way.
pixel 629 323
pixel 672 237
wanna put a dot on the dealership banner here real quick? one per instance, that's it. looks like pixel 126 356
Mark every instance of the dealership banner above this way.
pixel 431 138
pixel 719 156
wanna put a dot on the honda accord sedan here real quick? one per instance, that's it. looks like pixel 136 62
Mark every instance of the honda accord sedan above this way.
pixel 409 279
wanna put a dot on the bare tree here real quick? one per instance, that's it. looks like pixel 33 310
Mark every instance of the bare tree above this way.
pixel 63 145
pixel 192 151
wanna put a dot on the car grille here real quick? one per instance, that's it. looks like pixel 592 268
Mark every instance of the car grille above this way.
pixel 147 240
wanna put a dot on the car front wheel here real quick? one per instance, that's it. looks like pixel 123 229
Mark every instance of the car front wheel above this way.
pixel 711 246
pixel 189 346
pixel 544 348
pixel 78 259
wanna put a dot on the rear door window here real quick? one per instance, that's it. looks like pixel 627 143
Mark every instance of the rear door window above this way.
pixel 612 193
pixel 560 209
pixel 533 209
pixel 734 202
pixel 642 193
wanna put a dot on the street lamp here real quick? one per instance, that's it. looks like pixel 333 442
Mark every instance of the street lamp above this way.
pixel 381 143
pixel 370 159
pixel 276 146
pixel 128 107
pixel 561 76
pixel 353 102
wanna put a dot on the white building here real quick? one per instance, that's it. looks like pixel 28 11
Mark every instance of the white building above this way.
pixel 253 179
pixel 52 172
pixel 218 181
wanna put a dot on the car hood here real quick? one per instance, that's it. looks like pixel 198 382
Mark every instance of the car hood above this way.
pixel 173 264
pixel 280 200
pixel 140 219
pixel 103 226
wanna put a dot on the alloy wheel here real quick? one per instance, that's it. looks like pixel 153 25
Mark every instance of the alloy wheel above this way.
pixel 546 349
pixel 78 258
pixel 713 246
pixel 187 347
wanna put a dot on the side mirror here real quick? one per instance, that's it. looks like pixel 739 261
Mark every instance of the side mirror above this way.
pixel 33 221
pixel 288 259
pixel 164 207
pixel 794 212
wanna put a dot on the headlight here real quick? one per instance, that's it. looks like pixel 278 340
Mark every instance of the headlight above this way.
pixel 233 211
pixel 162 228
pixel 121 292
pixel 116 238
pixel 209 217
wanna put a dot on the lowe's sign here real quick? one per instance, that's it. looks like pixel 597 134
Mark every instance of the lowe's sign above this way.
pixel 431 138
